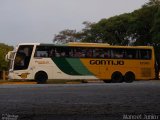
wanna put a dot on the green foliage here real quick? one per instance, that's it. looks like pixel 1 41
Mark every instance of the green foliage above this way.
pixel 142 24
pixel 152 3
pixel 155 31
pixel 112 30
pixel 140 27
pixel 3 51
pixel 67 35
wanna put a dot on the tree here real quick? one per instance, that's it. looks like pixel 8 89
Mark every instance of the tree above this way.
pixel 112 30
pixel 141 27
pixel 66 36
pixel 125 29
pixel 3 51
pixel 152 3
pixel 155 31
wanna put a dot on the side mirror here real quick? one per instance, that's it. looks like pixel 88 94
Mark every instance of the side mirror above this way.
pixel 9 56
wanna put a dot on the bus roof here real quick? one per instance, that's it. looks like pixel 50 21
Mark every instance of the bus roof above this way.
pixel 29 43
pixel 80 44
pixel 88 44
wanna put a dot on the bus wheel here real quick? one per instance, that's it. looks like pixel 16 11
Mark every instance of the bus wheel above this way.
pixel 41 77
pixel 117 77
pixel 107 81
pixel 129 77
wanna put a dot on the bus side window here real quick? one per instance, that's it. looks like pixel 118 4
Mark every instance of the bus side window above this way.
pixel 118 53
pixel 57 52
pixel 107 53
pixel 131 54
pixel 52 52
pixel 89 53
pixel 79 52
pixel 61 52
pixel 71 52
pixel 41 54
pixel 101 52
pixel 94 53
pixel 98 53
pixel 41 51
pixel 145 54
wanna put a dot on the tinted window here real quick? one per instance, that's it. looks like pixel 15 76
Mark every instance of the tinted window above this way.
pixel 82 52
pixel 131 53
pixel 145 54
pixel 23 57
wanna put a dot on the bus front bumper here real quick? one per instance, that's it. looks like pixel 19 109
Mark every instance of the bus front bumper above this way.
pixel 19 75
pixel 11 75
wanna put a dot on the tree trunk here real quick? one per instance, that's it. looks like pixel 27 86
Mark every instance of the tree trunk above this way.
pixel 4 75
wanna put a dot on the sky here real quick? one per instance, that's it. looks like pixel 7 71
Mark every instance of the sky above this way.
pixel 25 21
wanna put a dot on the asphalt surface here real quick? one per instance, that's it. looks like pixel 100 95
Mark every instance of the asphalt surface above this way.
pixel 89 101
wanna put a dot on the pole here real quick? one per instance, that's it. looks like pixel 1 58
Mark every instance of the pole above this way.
pixel 4 75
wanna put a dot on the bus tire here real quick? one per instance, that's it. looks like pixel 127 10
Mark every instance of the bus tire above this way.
pixel 107 81
pixel 129 77
pixel 41 77
pixel 117 77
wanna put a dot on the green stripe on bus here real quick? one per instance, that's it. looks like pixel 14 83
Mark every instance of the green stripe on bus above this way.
pixel 64 66
pixel 78 66
pixel 71 66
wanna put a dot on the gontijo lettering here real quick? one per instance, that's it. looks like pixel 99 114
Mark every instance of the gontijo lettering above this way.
pixel 106 62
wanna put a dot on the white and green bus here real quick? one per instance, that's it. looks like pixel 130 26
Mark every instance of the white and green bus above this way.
pixel 73 61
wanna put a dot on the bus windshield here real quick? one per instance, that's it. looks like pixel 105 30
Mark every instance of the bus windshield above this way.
pixel 23 57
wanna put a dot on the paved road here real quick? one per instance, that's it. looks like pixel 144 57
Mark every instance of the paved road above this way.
pixel 91 101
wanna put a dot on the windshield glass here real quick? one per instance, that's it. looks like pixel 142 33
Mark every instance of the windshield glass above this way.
pixel 23 57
